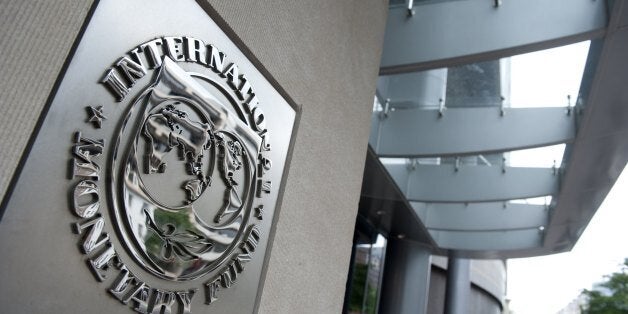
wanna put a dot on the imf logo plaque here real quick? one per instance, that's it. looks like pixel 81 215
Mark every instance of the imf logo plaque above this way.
pixel 153 181
pixel 185 175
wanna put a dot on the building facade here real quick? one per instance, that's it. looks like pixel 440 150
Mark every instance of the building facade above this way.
pixel 372 198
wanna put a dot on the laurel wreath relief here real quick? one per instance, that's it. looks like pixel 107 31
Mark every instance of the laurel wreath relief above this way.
pixel 186 245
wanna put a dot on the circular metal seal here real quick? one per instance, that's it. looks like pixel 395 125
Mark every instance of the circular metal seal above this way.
pixel 183 174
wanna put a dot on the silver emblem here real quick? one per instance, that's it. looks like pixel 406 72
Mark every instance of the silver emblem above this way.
pixel 183 175
pixel 151 181
pixel 185 179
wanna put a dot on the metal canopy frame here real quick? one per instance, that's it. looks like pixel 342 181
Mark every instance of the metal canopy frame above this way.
pixel 463 131
pixel 443 183
pixel 490 216
pixel 488 244
pixel 462 207
pixel 443 34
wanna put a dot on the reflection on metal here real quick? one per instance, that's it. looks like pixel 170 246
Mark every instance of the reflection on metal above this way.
pixel 441 183
pixel 424 133
pixel 474 33
pixel 85 150
pixel 494 216
pixel 96 115
pixel 259 212
pixel 410 9
pixel 184 168
pixel 86 189
pixel 177 116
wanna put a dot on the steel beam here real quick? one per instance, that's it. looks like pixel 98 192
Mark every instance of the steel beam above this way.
pixel 443 183
pixel 447 33
pixel 600 151
pixel 463 131
pixel 489 241
pixel 382 204
pixel 492 216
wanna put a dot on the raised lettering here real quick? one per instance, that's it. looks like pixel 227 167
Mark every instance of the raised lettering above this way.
pixel 211 290
pixel 85 169
pixel 140 285
pixel 162 302
pixel 264 165
pixel 229 276
pixel 259 212
pixel 232 72
pixel 240 260
pixel 86 148
pixel 115 85
pixel 174 47
pixel 263 187
pixel 102 263
pixel 135 54
pixel 86 200
pixel 244 88
pixel 132 70
pixel 252 239
pixel 185 301
pixel 94 238
pixel 265 141
pixel 259 121
pixel 153 55
pixel 141 298
pixel 251 103
pixel 216 59
pixel 257 114
pixel 125 286
pixel 195 50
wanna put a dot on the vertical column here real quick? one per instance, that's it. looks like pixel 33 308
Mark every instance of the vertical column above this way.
pixel 406 278
pixel 458 286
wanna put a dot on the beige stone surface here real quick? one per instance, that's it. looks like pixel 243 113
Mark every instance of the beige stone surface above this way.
pixel 35 40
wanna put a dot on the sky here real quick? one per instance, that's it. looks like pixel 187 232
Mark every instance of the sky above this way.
pixel 547 284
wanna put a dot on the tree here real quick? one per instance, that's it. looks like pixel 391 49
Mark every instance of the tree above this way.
pixel 612 295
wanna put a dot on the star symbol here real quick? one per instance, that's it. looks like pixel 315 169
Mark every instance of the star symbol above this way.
pixel 259 211
pixel 95 115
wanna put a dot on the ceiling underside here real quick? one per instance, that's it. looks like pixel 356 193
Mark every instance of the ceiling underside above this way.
pixel 452 205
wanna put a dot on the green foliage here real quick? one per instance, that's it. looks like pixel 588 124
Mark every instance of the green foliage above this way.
pixel 613 298
pixel 357 288
pixel 360 274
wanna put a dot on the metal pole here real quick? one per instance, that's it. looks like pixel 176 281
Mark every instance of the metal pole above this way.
pixel 458 286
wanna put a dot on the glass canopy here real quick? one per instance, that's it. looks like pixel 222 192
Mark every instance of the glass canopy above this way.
pixel 483 141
